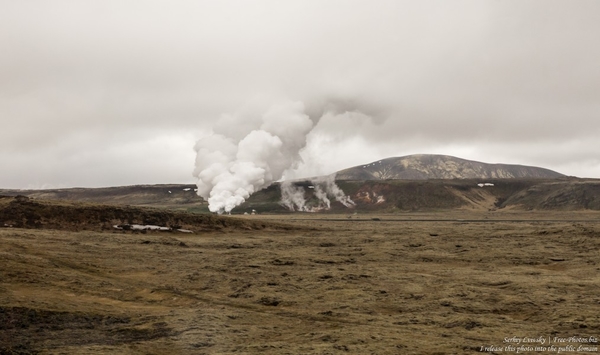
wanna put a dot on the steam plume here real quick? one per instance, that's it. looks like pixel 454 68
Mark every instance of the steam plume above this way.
pixel 247 152
pixel 329 187
pixel 252 148
pixel 293 197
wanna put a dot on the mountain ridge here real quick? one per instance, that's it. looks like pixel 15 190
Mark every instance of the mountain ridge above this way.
pixel 377 193
pixel 435 166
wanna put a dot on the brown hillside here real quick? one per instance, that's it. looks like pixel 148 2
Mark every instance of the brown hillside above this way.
pixel 171 196
pixel 558 195
pixel 524 194
pixel 370 196
pixel 373 196
pixel 23 212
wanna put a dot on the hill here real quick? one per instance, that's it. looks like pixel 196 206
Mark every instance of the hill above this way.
pixel 23 212
pixel 370 196
pixel 410 183
pixel 170 196
pixel 427 166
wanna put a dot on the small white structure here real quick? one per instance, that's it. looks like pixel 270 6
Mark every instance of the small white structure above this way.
pixel 141 227
pixel 483 184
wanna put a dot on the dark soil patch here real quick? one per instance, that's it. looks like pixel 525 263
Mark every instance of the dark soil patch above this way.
pixel 25 330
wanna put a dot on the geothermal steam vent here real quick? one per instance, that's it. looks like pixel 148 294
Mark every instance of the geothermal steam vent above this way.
pixel 249 150
pixel 293 197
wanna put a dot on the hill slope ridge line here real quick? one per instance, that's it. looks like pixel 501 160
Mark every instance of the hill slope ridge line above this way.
pixel 431 166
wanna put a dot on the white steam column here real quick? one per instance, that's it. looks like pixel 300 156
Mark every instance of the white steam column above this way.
pixel 247 152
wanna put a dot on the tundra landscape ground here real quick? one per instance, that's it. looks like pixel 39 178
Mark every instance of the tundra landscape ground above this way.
pixel 454 282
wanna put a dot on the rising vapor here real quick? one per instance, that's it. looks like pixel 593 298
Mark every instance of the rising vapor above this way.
pixel 252 148
pixel 247 152
pixel 328 187
pixel 293 197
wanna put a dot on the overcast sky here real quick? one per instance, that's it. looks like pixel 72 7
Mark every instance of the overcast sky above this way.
pixel 105 93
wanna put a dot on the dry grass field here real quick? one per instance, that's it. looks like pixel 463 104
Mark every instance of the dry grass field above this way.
pixel 437 283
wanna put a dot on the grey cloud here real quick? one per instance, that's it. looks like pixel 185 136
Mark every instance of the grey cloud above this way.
pixel 430 73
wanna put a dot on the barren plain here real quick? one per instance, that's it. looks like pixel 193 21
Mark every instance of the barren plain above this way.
pixel 415 283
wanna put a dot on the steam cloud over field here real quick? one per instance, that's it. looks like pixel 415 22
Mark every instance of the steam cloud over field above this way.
pixel 251 149
pixel 248 151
